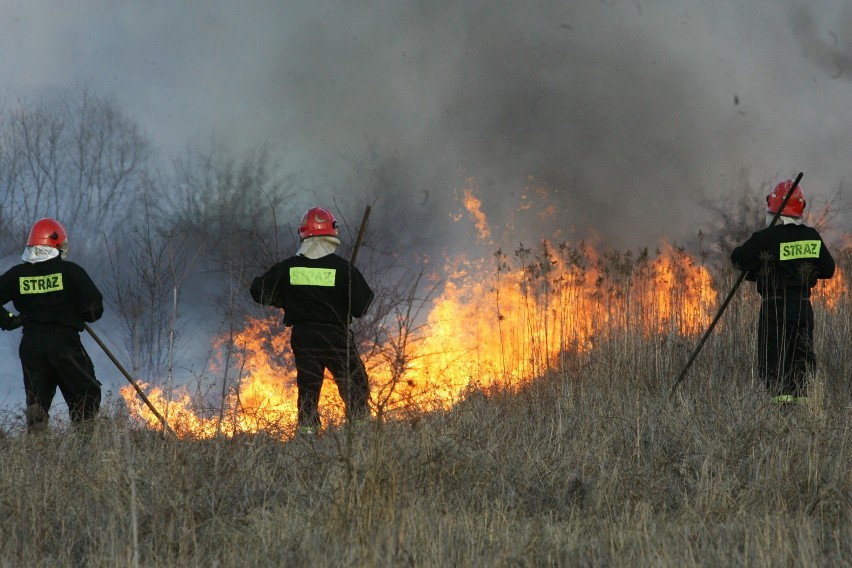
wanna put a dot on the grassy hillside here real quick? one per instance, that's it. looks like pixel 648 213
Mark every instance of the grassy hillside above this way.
pixel 585 470
pixel 593 465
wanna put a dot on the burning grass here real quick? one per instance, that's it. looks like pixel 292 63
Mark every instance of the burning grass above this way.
pixel 589 463
pixel 499 321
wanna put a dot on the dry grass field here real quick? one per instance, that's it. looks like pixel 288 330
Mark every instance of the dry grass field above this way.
pixel 591 464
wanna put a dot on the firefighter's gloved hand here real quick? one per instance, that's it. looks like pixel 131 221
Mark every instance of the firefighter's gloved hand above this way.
pixel 9 321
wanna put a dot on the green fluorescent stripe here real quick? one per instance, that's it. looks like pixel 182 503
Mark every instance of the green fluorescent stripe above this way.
pixel 302 276
pixel 799 249
pixel 40 284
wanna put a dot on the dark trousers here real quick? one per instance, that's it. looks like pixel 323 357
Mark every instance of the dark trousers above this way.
pixel 50 360
pixel 317 347
pixel 785 352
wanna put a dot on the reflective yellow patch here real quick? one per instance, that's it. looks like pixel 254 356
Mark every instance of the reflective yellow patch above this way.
pixel 301 276
pixel 799 249
pixel 40 284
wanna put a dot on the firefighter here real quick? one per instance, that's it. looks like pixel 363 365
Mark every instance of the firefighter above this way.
pixel 785 261
pixel 320 292
pixel 54 298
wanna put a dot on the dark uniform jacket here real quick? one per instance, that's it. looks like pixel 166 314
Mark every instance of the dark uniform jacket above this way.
pixel 53 295
pixel 324 290
pixel 784 261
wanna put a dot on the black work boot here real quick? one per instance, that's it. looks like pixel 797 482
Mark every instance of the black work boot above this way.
pixel 37 419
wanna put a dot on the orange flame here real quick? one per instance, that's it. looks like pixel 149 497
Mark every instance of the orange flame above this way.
pixel 497 321
pixel 473 205
pixel 489 325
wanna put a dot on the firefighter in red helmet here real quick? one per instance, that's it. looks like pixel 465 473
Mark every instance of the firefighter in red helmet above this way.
pixel 320 292
pixel 785 261
pixel 54 298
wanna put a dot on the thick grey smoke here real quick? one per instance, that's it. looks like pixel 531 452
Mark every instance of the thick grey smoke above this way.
pixel 628 112
pixel 830 49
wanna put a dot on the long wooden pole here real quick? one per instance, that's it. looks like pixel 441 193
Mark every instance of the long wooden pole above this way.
pixel 361 232
pixel 130 379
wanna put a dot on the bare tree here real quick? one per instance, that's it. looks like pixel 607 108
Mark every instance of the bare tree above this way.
pixel 148 276
pixel 74 156
pixel 218 196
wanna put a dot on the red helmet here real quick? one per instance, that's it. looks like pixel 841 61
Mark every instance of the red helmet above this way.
pixel 48 232
pixel 318 222
pixel 795 205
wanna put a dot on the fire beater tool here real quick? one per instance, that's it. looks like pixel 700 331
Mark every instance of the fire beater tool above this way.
pixel 133 383
pixel 360 238
pixel 730 295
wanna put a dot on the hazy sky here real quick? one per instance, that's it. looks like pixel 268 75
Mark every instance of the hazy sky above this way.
pixel 629 113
